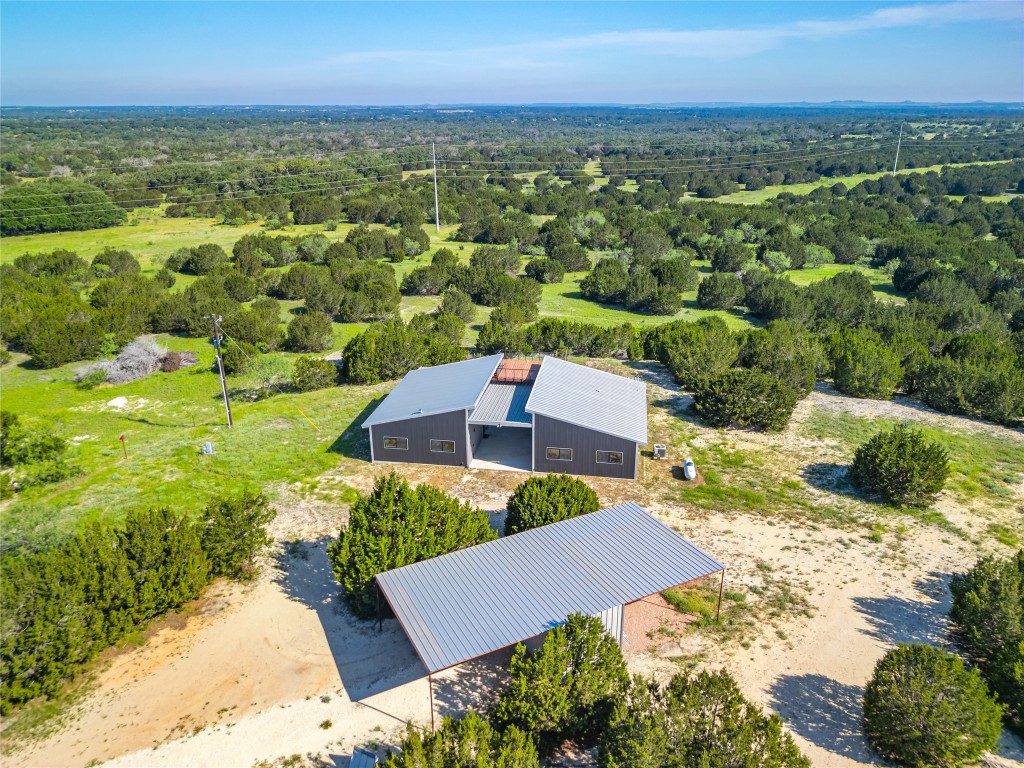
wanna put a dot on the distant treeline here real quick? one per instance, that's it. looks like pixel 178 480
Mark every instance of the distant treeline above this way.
pixel 334 173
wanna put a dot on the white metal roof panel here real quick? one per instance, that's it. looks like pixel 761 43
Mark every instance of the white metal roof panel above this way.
pixel 464 604
pixel 438 389
pixel 590 398
pixel 503 404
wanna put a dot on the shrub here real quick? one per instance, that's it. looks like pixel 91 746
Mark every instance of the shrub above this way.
pixel 922 708
pixel 566 689
pixel 786 351
pixel 901 466
pixel 116 262
pixel 548 499
pixel 390 350
pixel 396 525
pixel 470 741
pixel 234 533
pixel 91 378
pixel 698 720
pixel 545 270
pixel 458 303
pixel 988 611
pixel 262 330
pixel 720 290
pixel 776 261
pixel 694 351
pixel 863 365
pixel 175 360
pixel 310 332
pixel 745 398
pixel 270 373
pixel 136 361
pixel 312 373
pixel 238 357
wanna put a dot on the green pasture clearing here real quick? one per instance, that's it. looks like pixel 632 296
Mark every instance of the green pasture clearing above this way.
pixel 881 283
pixel 986 466
pixel 153 239
pixel 564 300
pixel 166 419
pixel 757 196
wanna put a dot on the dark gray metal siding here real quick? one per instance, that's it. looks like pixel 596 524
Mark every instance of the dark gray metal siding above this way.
pixel 551 433
pixel 420 431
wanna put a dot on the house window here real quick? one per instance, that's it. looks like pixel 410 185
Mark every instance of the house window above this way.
pixel 609 457
pixel 399 443
pixel 559 454
pixel 442 446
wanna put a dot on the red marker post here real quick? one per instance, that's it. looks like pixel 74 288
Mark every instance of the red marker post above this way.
pixel 124 446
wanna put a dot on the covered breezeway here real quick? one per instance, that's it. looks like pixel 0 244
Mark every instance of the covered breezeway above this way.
pixel 504 448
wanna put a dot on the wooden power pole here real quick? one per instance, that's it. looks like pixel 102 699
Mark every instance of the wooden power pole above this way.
pixel 217 319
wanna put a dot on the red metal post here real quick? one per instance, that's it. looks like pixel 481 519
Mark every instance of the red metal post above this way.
pixel 430 687
pixel 721 589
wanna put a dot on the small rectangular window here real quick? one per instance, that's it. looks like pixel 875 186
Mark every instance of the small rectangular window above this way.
pixel 559 454
pixel 609 457
pixel 442 446
pixel 399 443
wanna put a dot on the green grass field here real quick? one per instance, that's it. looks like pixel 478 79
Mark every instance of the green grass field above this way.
pixel 165 419
pixel 984 466
pixel 758 196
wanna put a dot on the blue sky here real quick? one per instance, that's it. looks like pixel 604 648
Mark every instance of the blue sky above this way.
pixel 78 53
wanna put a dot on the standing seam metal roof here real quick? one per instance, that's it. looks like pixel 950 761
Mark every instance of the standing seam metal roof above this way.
pixel 503 404
pixel 590 398
pixel 437 389
pixel 467 603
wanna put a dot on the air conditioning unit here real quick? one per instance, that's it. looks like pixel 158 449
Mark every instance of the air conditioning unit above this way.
pixel 660 451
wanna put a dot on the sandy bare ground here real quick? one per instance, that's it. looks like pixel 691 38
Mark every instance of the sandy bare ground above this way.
pixel 260 670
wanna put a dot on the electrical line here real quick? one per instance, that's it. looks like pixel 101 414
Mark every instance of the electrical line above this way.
pixel 330 171
pixel 326 171
pixel 233 197
pixel 344 153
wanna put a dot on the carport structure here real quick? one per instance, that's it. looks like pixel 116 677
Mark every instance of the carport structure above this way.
pixel 466 604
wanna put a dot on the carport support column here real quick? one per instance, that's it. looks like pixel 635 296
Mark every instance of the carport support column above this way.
pixel 721 589
pixel 380 614
pixel 430 688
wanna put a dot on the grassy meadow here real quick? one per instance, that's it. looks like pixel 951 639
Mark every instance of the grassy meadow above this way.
pixel 165 419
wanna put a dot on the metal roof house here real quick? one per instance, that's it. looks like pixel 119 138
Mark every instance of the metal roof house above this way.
pixel 544 415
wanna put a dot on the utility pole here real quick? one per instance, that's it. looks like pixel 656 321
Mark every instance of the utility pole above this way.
pixel 437 211
pixel 217 319
pixel 898 142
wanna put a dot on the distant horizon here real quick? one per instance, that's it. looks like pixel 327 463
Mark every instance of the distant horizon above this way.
pixel 566 104
pixel 509 53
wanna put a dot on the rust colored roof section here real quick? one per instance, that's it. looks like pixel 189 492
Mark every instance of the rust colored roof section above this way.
pixel 516 371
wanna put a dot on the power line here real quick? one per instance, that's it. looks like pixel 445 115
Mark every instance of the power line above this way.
pixel 807 154
pixel 327 171
pixel 320 188
pixel 469 172
pixel 254 178
pixel 344 153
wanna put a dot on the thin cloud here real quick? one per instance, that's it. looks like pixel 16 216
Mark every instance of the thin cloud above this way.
pixel 714 44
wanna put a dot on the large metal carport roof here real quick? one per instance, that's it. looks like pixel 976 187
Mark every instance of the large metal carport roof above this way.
pixel 465 604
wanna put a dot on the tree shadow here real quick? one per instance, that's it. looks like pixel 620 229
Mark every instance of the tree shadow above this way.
pixel 825 712
pixel 354 441
pixel 893 620
pixel 474 684
pixel 369 661
pixel 830 476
